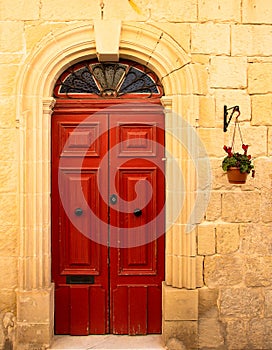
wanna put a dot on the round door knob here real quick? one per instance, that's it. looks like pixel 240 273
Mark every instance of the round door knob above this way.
pixel 137 212
pixel 78 211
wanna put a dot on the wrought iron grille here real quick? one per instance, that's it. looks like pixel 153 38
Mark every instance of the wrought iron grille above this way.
pixel 93 79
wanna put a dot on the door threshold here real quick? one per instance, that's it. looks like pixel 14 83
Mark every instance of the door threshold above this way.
pixel 108 342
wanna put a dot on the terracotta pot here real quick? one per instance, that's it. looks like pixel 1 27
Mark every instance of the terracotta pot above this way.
pixel 235 176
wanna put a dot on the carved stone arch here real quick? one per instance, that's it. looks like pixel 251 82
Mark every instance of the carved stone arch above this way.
pixel 145 44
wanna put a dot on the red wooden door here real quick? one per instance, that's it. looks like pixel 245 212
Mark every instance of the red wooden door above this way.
pixel 107 255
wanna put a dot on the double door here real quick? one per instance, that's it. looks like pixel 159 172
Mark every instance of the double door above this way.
pixel 107 219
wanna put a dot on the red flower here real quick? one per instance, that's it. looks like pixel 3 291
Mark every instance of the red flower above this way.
pixel 245 147
pixel 228 150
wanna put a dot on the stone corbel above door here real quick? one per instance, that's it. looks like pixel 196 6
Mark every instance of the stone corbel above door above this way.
pixel 107 39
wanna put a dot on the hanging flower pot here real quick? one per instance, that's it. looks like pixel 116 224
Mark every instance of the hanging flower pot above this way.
pixel 237 165
pixel 235 176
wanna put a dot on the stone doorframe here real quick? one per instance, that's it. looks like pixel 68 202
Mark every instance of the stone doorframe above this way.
pixel 149 46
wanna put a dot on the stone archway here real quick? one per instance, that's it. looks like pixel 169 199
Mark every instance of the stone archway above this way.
pixel 149 46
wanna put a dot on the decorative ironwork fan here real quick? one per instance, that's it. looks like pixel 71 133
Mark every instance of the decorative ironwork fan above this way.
pixel 90 79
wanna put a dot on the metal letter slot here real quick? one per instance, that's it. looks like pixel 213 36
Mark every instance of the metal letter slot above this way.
pixel 80 279
pixel 113 199
pixel 78 212
pixel 137 212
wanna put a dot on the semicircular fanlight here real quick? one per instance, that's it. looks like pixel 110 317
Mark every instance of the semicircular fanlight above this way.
pixel 90 79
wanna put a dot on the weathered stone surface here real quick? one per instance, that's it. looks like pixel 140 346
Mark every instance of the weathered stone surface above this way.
pixel 8 177
pixel 228 72
pixel 224 270
pixel 227 238
pixel 257 43
pixel 258 271
pixel 260 336
pixel 182 11
pixel 211 137
pixel 185 331
pixel 199 271
pixel 210 333
pixel 215 207
pixel 180 304
pixel 8 241
pixel 268 303
pixel 206 112
pixel 257 11
pixel 266 200
pixel 14 31
pixel 256 239
pixel 8 78
pixel 180 32
pixel 175 344
pixel 21 10
pixel 8 209
pixel 237 334
pixel 241 207
pixel 220 11
pixel 259 78
pixel 206 239
pixel 261 109
pixel 207 302
pixel 8 268
pixel 269 141
pixel 218 42
pixel 241 302
pixel 7 300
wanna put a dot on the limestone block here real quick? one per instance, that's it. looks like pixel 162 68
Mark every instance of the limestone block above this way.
pixel 8 268
pixel 200 58
pixel 257 11
pixel 178 11
pixel 212 138
pixel 257 43
pixel 228 72
pixel 269 141
pixel 210 333
pixel 8 240
pixel 241 302
pixel 259 78
pixel 260 336
pixel 256 138
pixel 268 303
pixel 223 270
pixel 8 145
pixel 241 207
pixel 206 112
pixel 20 10
pixel 207 302
pixel 36 336
pixel 215 207
pixel 8 111
pixel 35 306
pixel 180 32
pixel 206 239
pixel 8 209
pixel 222 10
pixel 237 334
pixel 36 31
pixel 79 10
pixel 8 78
pixel 227 238
pixel 256 239
pixel 107 47
pixel 211 38
pixel 266 200
pixel 199 271
pixel 11 58
pixel 11 36
pixel 185 331
pixel 180 304
pixel 8 177
pixel 258 271
pixel 7 300
pixel 261 109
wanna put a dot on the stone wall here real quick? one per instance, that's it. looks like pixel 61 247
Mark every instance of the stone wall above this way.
pixel 229 43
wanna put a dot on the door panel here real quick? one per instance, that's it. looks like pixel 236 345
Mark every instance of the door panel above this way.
pixel 109 278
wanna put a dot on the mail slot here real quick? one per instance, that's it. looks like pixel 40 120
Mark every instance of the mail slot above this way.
pixel 80 279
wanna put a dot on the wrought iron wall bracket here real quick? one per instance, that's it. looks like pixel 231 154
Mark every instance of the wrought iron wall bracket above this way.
pixel 226 120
